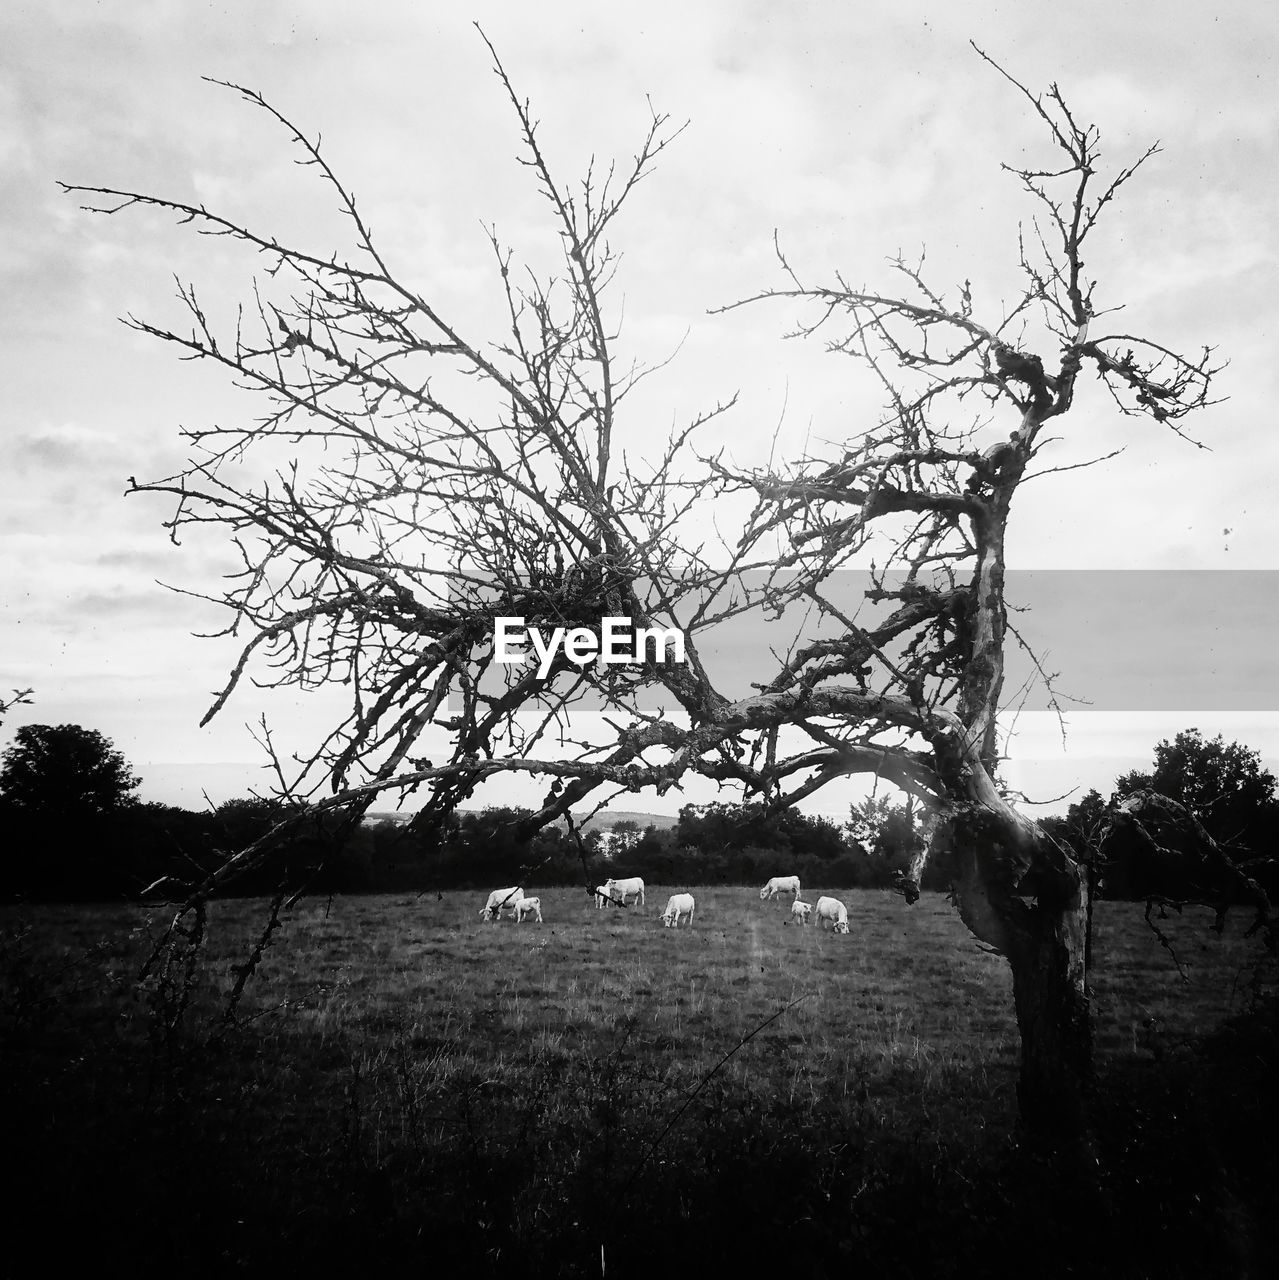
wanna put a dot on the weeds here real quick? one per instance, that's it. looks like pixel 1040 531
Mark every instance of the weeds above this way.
pixel 400 1089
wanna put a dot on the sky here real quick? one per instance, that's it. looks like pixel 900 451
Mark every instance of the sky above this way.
pixel 852 131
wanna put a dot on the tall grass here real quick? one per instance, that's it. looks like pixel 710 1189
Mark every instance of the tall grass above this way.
pixel 403 1082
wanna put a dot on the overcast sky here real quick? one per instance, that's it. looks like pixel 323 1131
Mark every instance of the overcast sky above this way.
pixel 853 129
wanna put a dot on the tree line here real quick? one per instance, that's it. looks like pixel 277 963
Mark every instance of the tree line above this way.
pixel 1223 784
pixel 78 832
pixel 67 798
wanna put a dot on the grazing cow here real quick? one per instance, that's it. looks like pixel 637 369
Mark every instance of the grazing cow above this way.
pixel 528 907
pixel 780 884
pixel 501 900
pixel 678 904
pixel 799 911
pixel 623 890
pixel 833 912
pixel 603 897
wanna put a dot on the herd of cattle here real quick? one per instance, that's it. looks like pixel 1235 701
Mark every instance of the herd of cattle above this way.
pixel 831 913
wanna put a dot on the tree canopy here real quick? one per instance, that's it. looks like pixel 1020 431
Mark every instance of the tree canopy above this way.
pixel 65 772
pixel 1136 841
pixel 1224 783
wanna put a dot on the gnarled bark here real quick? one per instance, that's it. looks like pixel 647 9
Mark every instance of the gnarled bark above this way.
pixel 1038 922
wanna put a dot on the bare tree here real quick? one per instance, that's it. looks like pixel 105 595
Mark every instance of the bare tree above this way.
pixel 435 481
pixel 19 698
pixel 921 484
pixel 439 480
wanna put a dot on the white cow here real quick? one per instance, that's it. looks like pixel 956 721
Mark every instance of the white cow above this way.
pixel 603 897
pixel 799 911
pixel 501 900
pixel 623 890
pixel 833 912
pixel 780 884
pixel 528 907
pixel 678 904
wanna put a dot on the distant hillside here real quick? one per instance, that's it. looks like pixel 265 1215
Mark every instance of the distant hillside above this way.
pixel 605 821
pixel 600 822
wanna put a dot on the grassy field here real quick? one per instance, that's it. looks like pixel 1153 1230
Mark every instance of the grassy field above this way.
pixel 406 1085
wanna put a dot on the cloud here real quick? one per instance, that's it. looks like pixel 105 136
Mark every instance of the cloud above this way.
pixel 855 130
pixel 69 448
pixel 149 561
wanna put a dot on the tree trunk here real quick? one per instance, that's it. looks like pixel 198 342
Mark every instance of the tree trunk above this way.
pixel 1053 1019
pixel 1029 902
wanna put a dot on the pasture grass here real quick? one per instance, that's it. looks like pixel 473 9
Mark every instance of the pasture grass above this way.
pixel 406 1085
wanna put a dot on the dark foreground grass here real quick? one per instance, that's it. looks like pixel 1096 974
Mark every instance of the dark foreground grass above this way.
pixel 406 1087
